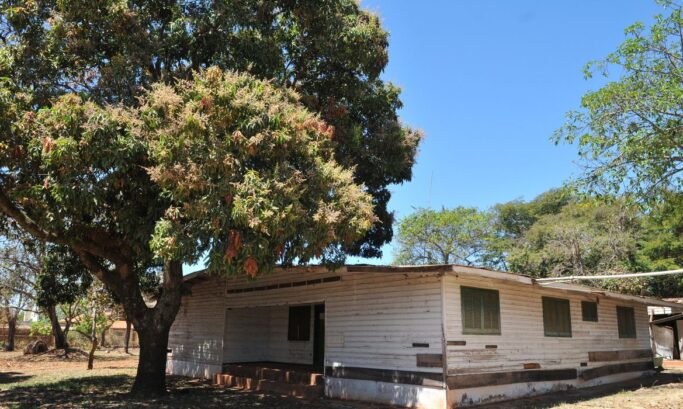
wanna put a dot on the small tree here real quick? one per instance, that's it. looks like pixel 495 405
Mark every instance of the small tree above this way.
pixel 63 281
pixel 17 276
pixel 97 310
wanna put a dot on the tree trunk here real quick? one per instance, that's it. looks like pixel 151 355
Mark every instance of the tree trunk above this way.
pixel 150 379
pixel 57 332
pixel 11 333
pixel 126 338
pixel 91 355
pixel 93 337
pixel 103 341
pixel 152 324
pixel 153 327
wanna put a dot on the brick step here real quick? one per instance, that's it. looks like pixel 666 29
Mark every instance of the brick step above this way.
pixel 263 385
pixel 274 374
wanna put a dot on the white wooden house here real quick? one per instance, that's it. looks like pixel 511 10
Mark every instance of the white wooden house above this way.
pixel 427 336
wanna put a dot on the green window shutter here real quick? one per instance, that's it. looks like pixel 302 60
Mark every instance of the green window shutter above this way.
pixel 589 311
pixel 557 318
pixel 626 322
pixel 480 309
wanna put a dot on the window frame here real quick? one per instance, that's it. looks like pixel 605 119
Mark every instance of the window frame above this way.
pixel 624 331
pixel 546 303
pixel 482 307
pixel 590 318
pixel 297 331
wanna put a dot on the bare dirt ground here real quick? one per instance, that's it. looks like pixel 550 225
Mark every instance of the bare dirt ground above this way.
pixel 53 381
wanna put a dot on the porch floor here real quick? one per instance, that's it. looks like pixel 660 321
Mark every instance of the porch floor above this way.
pixel 303 381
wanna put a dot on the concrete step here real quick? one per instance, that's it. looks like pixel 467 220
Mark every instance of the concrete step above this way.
pixel 274 374
pixel 264 385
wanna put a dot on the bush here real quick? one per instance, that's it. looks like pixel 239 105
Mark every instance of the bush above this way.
pixel 40 328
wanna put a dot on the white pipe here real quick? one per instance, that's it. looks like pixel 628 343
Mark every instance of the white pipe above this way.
pixel 608 276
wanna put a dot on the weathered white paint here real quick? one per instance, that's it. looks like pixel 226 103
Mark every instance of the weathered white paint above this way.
pixel 522 339
pixel 679 325
pixel 410 396
pixel 663 340
pixel 192 369
pixel 373 318
pixel 259 334
pixel 196 337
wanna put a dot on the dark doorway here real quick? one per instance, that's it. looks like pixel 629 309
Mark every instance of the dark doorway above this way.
pixel 319 335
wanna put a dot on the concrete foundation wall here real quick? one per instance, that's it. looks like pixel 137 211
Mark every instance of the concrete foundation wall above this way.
pixel 192 369
pixel 411 396
pixel 491 394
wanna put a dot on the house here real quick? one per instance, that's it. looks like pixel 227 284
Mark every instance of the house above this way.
pixel 416 336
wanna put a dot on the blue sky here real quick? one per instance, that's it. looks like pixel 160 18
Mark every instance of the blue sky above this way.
pixel 489 82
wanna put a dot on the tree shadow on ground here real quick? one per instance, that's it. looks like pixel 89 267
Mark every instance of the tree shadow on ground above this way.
pixel 13 377
pixel 112 392
pixel 596 392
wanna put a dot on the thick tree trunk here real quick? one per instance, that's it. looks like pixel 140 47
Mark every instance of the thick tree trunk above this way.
pixel 103 342
pixel 150 379
pixel 126 338
pixel 153 326
pixel 11 333
pixel 57 332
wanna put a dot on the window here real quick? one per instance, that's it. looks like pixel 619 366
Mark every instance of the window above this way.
pixel 557 319
pixel 589 311
pixel 480 311
pixel 626 321
pixel 299 323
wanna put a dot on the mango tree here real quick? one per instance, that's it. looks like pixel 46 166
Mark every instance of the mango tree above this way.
pixel 128 135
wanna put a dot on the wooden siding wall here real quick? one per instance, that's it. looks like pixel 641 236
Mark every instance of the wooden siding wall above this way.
pixel 372 319
pixel 197 333
pixel 522 340
pixel 259 334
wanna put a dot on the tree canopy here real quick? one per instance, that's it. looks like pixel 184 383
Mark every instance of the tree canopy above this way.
pixel 331 52
pixel 462 235
pixel 630 132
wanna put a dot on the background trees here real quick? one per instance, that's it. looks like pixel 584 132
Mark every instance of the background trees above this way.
pixel 462 235
pixel 559 233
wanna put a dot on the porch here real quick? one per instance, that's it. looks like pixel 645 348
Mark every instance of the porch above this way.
pixel 275 348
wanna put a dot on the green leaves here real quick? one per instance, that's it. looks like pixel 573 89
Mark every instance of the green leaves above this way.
pixel 239 156
pixel 462 235
pixel 331 53
pixel 630 132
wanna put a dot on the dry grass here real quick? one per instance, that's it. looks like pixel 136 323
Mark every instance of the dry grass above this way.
pixel 50 381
